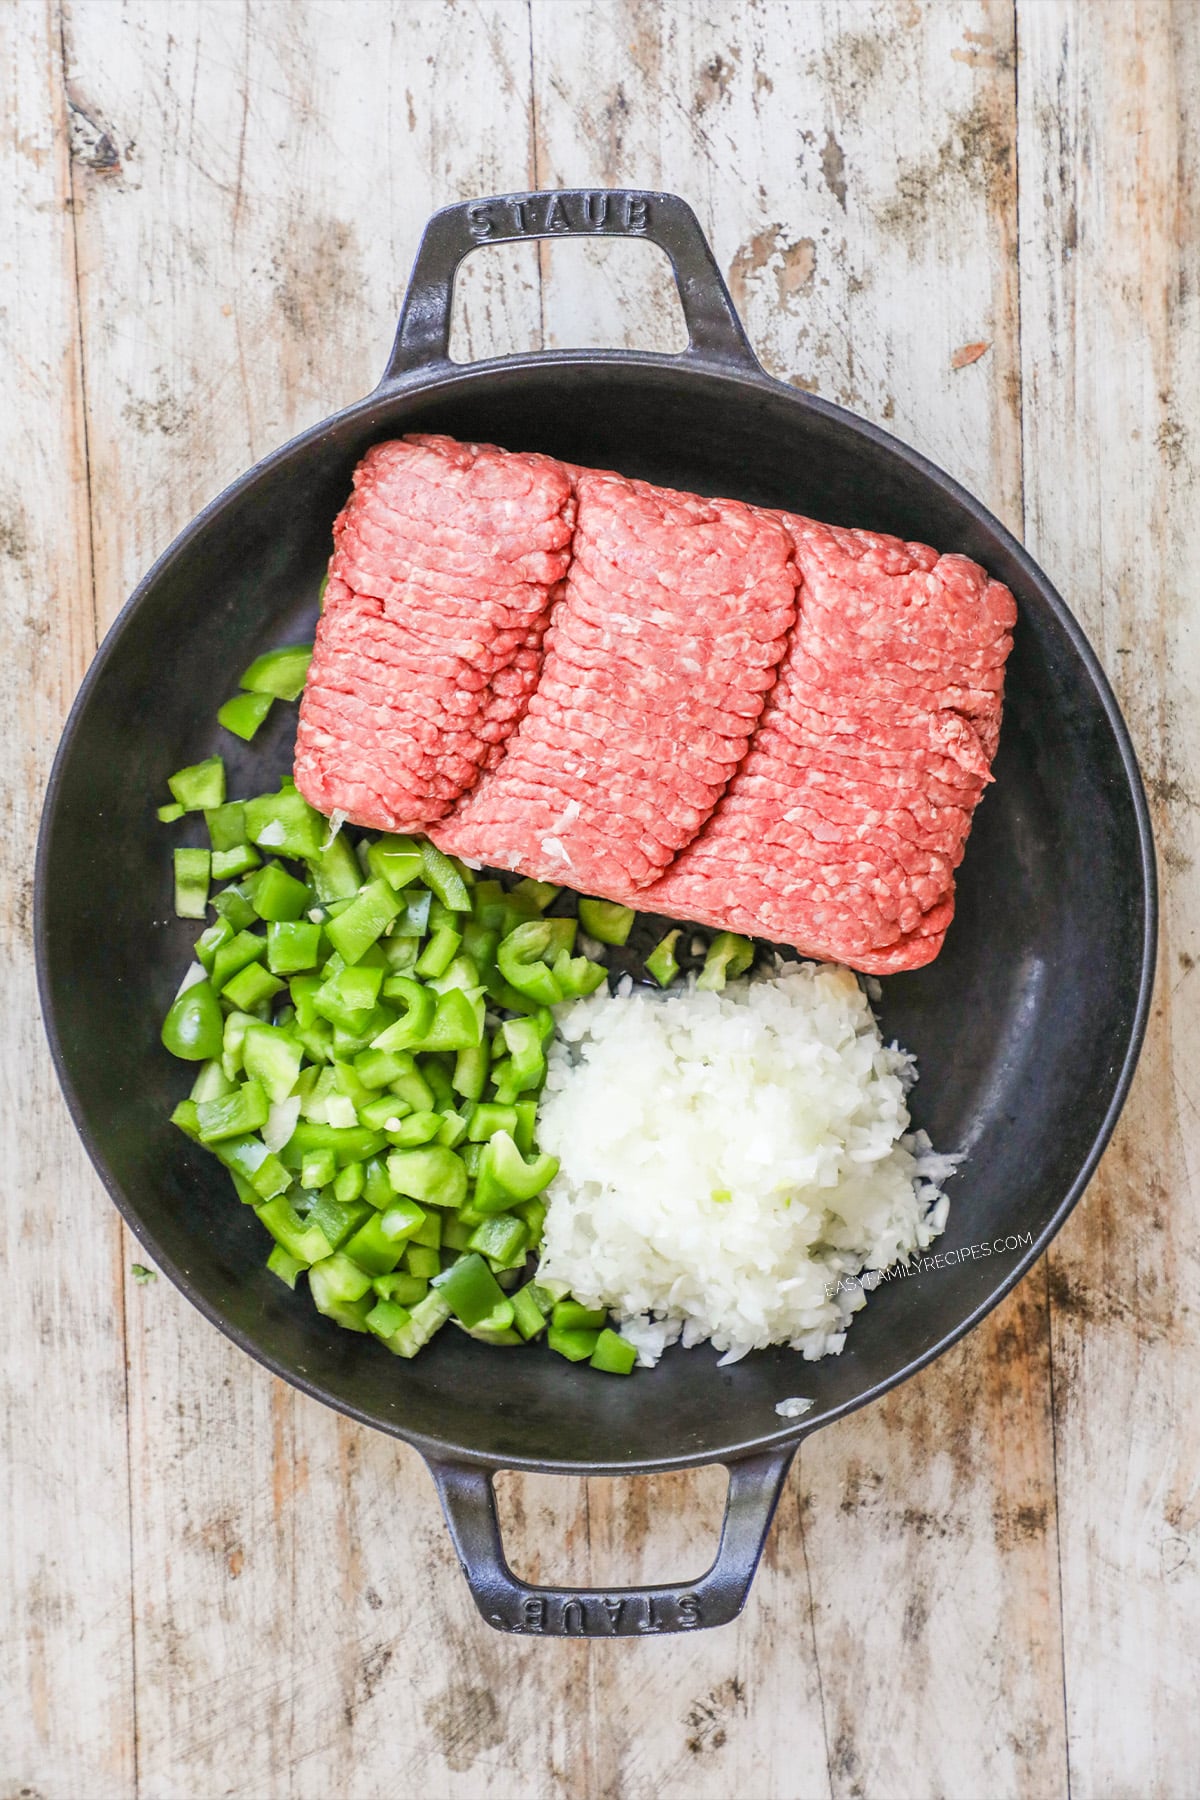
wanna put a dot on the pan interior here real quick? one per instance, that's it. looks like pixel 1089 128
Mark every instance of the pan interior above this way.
pixel 1021 1026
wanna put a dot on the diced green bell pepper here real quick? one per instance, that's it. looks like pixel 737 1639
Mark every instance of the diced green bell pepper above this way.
pixel 280 673
pixel 607 921
pixel 440 951
pixel 167 815
pixel 275 895
pixel 445 877
pixel 662 962
pixel 250 987
pixel 299 1237
pixel 285 823
pixel 273 1057
pixel 282 1263
pixel 227 865
pixel 528 1316
pixel 569 1315
pixel 576 1346
pixel 577 976
pixel 292 945
pixel 434 1175
pixel 428 1317
pixel 420 1004
pixel 505 1177
pixel 472 1292
pixel 502 1239
pixel 231 903
pixel 365 919
pixel 728 956
pixel 613 1354
pixel 396 860
pixel 372 1249
pixel 342 1291
pixel 235 954
pixel 192 871
pixel 242 1111
pixel 244 713
pixel 199 786
pixel 226 825
pixel 520 961
pixel 194 1028
pixel 386 1317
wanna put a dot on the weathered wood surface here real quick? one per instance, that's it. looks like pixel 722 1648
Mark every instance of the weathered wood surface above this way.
pixel 974 225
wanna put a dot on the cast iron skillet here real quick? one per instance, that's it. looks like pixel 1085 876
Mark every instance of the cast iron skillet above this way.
pixel 1027 1026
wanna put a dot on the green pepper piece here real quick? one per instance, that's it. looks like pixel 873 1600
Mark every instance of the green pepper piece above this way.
pixel 339 1222
pixel 526 1111
pixel 457 1024
pixel 569 1315
pixel 199 786
pixel 184 1116
pixel 342 1291
pixel 299 1237
pixel 234 955
pixel 527 1061
pixel 539 893
pixel 349 1143
pixel 396 860
pixel 503 1239
pixel 234 1114
pixel 445 877
pixel 434 1175
pixel 417 1128
pixel 365 919
pixel 167 815
pixel 472 1292
pixel 383 1112
pixel 244 714
pixel 273 1057
pixel 318 1170
pixel 281 673
pixel 661 962
pixel 414 920
pixel 428 1317
pixel 249 1160
pixel 192 871
pixel 386 1317
pixel 275 895
pixel 528 1316
pixel 287 1267
pixel 488 1118
pixel 576 1346
pixel 376 1068
pixel 420 1004
pixel 439 952
pixel 728 955
pixel 226 825
pixel 453 1130
pixel 613 1354
pixel 212 1082
pixel 420 1261
pixel 470 1071
pixel 227 865
pixel 415 1091
pixel 372 1249
pixel 402 1219
pixel 335 872
pixel 505 1177
pixel 577 976
pixel 607 921
pixel 231 903
pixel 292 944
pixel 194 1028
pixel 286 823
pixel 251 987
pixel 404 1289
pixel 519 959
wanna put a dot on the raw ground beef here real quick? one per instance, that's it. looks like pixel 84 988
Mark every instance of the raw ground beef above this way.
pixel 841 830
pixel 724 714
pixel 673 617
pixel 446 559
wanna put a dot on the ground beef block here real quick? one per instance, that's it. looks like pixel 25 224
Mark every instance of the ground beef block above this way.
pixel 446 559
pixel 842 827
pixel 672 621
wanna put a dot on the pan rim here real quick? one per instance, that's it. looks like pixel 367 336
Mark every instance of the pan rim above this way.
pixel 445 377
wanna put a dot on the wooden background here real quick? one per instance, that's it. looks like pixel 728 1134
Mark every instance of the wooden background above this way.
pixel 974 222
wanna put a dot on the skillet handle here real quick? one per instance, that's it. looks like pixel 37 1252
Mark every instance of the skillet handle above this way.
pixel 715 333
pixel 509 1604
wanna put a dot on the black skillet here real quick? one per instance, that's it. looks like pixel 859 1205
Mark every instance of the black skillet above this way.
pixel 1027 1026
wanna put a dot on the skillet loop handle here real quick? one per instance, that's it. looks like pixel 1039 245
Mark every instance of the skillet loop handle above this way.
pixel 509 1604
pixel 715 334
